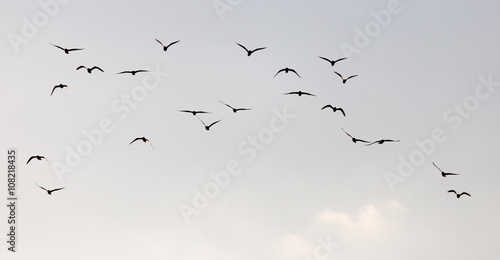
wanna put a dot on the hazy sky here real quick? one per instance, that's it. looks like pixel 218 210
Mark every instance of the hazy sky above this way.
pixel 281 181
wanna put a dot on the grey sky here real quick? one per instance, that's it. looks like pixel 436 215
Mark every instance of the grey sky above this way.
pixel 423 71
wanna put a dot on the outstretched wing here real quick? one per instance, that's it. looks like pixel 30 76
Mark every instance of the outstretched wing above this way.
pixel 57 189
pixel 436 167
pixel 41 187
pixel 339 75
pixel 30 159
pixel 292 70
pixel 351 77
pixel 81 67
pixel 341 110
pixel 371 143
pixel 347 133
pixel 259 49
pixel 242 46
pixel 465 193
pixel 452 191
pixel 53 90
pixel 323 58
pixel 340 59
pixel 75 49
pixel 330 106
pixel 172 43
pixel 159 42
pixel 123 72
pixel 58 46
pixel 138 138
pixel 137 71
pixel 278 72
pixel 214 123
pixel 97 68
pixel 226 104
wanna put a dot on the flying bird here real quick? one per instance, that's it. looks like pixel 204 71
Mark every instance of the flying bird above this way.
pixel 300 93
pixel 49 191
pixel 38 157
pixel 249 52
pixel 235 109
pixel 332 62
pixel 66 50
pixel 144 139
pixel 59 86
pixel 460 194
pixel 334 109
pixel 210 125
pixel 133 72
pixel 89 70
pixel 354 140
pixel 166 47
pixel 382 141
pixel 194 112
pixel 286 70
pixel 345 80
pixel 444 174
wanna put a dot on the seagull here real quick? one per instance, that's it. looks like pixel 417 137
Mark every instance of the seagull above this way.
pixel 286 70
pixel 166 47
pixel 382 141
pixel 235 109
pixel 300 93
pixel 38 157
pixel 144 139
pixel 332 62
pixel 249 52
pixel 208 127
pixel 89 70
pixel 194 112
pixel 133 72
pixel 354 140
pixel 460 194
pixel 49 191
pixel 444 174
pixel 345 80
pixel 66 50
pixel 334 109
pixel 59 86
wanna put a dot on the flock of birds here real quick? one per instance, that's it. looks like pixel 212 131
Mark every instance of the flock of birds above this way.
pixel 207 127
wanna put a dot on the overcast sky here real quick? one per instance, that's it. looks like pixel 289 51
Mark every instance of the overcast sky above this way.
pixel 281 181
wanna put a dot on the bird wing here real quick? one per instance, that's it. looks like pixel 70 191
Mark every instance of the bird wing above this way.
pixel 309 94
pixel 436 167
pixel 360 140
pixel 339 75
pixel 292 70
pixel 371 143
pixel 226 104
pixel 97 68
pixel 41 187
pixel 30 159
pixel 242 46
pixel 325 59
pixel 151 144
pixel 238 109
pixel 80 67
pixel 53 90
pixel 138 138
pixel 214 123
pixel 259 49
pixel 75 49
pixel 186 111
pixel 123 72
pixel 351 77
pixel 291 93
pixel 172 43
pixel 330 106
pixel 341 110
pixel 450 173
pixel 452 191
pixel 137 71
pixel 159 42
pixel 57 46
pixel 347 133
pixel 278 72
pixel 57 189
pixel 465 193
pixel 341 59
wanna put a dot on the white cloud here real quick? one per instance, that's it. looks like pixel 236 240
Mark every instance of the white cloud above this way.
pixel 295 246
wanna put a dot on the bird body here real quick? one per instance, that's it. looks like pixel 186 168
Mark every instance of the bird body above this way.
pixel 299 93
pixel 133 72
pixel 332 62
pixel 144 139
pixel 334 109
pixel 194 112
pixel 165 48
pixel 49 191
pixel 66 50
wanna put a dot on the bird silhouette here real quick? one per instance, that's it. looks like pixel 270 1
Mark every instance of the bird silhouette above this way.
pixel 459 194
pixel 354 140
pixel 382 141
pixel 133 72
pixel 207 127
pixel 49 191
pixel 38 157
pixel 166 47
pixel 194 112
pixel 444 174
pixel 345 80
pixel 249 52
pixel 334 109
pixel 286 70
pixel 144 139
pixel 332 62
pixel 67 50
pixel 235 109
pixel 300 93
pixel 59 86
pixel 89 70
